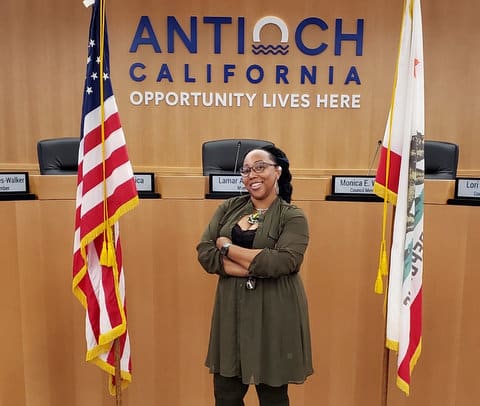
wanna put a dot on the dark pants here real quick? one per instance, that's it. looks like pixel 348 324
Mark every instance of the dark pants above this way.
pixel 231 391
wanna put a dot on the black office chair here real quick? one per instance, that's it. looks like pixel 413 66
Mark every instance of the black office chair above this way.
pixel 58 156
pixel 441 160
pixel 225 156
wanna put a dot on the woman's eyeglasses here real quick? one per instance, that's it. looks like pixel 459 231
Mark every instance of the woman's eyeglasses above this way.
pixel 257 167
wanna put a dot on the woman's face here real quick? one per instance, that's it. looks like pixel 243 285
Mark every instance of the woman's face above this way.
pixel 261 184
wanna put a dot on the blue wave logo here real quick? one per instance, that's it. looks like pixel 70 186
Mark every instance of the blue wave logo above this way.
pixel 258 48
pixel 270 49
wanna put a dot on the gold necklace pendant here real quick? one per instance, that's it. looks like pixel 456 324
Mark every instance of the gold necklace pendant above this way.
pixel 253 218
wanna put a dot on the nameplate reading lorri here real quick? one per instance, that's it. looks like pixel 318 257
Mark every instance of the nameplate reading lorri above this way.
pixel 467 188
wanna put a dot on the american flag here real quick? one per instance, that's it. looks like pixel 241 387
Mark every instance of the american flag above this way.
pixel 105 191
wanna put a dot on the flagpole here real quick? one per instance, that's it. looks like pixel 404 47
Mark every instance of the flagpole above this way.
pixel 386 350
pixel 385 375
pixel 118 378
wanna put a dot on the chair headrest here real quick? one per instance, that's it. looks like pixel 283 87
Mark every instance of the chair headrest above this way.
pixel 225 156
pixel 58 156
pixel 441 160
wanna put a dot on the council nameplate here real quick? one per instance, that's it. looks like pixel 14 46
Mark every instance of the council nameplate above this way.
pixel 353 188
pixel 14 182
pixel 145 185
pixel 144 182
pixel 14 186
pixel 467 188
pixel 467 192
pixel 224 186
pixel 226 183
pixel 353 185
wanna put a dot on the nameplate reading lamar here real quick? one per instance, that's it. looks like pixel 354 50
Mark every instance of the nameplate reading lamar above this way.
pixel 226 183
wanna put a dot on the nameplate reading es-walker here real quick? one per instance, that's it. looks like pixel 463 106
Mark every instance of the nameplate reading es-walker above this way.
pixel 353 188
pixel 14 186
pixel 14 182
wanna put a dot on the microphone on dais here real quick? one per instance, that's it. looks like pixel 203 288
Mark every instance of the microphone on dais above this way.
pixel 379 143
pixel 239 144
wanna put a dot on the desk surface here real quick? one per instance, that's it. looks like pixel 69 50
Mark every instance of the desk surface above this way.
pixel 195 187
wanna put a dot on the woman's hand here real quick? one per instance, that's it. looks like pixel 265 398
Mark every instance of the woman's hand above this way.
pixel 231 267
pixel 221 241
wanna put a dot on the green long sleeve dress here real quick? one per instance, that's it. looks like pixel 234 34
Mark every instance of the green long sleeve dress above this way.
pixel 260 335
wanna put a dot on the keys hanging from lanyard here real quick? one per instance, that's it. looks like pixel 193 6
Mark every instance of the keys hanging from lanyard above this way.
pixel 251 283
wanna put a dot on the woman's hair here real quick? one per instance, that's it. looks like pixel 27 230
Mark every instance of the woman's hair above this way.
pixel 285 188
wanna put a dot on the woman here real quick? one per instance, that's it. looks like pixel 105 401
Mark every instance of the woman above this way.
pixel 255 243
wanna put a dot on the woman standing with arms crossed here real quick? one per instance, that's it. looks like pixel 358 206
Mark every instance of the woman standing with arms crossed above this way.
pixel 255 243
